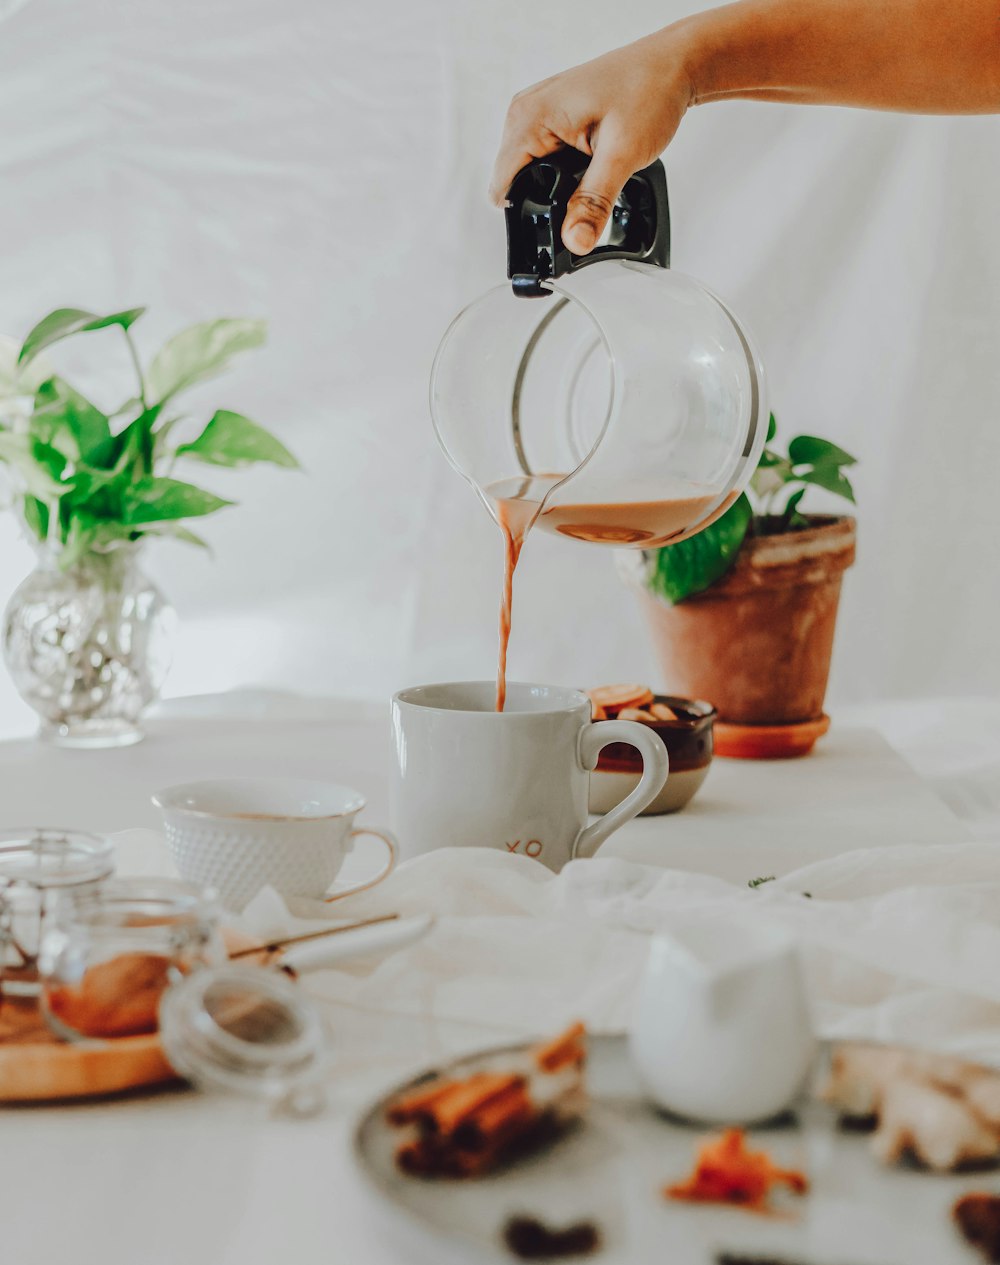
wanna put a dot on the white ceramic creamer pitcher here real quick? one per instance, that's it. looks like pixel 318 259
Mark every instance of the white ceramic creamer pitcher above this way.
pixel 721 1031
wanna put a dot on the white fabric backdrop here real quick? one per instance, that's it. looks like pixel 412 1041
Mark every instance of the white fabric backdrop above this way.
pixel 323 164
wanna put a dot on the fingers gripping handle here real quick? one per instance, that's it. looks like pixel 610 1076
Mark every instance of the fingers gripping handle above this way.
pixel 536 208
pixel 655 766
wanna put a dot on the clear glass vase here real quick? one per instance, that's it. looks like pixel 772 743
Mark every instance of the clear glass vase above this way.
pixel 88 646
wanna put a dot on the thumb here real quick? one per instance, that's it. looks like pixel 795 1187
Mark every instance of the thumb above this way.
pixel 589 208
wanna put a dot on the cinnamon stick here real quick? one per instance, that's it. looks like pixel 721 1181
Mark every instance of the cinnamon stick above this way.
pixel 495 1120
pixel 466 1097
pixel 567 1049
pixel 468 1127
pixel 418 1103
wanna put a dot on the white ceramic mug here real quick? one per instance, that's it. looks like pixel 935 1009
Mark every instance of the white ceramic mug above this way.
pixel 722 1031
pixel 517 780
pixel 242 834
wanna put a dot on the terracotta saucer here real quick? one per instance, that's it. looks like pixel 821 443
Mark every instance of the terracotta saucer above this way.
pixel 768 742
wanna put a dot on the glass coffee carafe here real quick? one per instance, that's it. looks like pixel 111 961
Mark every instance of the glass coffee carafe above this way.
pixel 604 397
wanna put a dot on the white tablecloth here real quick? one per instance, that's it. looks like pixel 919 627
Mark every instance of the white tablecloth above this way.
pixel 178 1177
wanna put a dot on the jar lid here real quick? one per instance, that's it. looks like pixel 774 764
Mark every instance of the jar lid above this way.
pixel 50 857
pixel 143 902
pixel 247 1030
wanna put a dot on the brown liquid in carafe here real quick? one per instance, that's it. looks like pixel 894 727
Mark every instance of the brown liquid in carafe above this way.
pixel 644 523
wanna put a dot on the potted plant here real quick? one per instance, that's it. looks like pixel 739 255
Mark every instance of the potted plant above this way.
pixel 743 614
pixel 86 635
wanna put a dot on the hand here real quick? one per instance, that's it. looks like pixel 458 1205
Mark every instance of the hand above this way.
pixel 623 108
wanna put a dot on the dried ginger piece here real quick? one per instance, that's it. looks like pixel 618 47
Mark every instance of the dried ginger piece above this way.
pixel 937 1127
pixel 726 1171
pixel 982 1093
pixel 858 1077
pixel 942 1110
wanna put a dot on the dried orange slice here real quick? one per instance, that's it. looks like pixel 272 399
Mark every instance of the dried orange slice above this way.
pixel 597 712
pixel 661 711
pixel 727 1171
pixel 614 697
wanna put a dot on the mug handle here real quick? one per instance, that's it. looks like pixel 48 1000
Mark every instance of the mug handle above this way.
pixel 393 848
pixel 655 767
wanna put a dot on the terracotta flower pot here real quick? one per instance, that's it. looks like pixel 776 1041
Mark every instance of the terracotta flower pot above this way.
pixel 757 643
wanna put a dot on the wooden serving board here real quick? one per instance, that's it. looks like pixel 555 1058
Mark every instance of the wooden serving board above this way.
pixel 35 1066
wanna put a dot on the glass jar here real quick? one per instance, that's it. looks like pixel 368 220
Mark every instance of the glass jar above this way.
pixel 39 867
pixel 247 1031
pixel 88 646
pixel 107 959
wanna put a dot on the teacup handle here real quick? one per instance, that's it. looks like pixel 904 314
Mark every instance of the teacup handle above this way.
pixel 655 767
pixel 393 848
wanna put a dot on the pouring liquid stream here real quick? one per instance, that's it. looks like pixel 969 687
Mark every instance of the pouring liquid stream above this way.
pixel 641 523
pixel 515 514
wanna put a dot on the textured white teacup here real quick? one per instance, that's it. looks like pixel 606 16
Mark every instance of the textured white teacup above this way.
pixel 517 780
pixel 242 834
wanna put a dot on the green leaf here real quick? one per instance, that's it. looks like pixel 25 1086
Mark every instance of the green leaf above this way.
pixel 137 441
pixel 156 500
pixel 52 460
pixel 200 352
pixel 807 450
pixel 71 320
pixel 162 434
pixel 831 478
pixel 70 423
pixel 19 380
pixel 790 516
pixel 767 479
pixel 772 428
pixel 692 565
pixel 230 439
pixel 99 490
pixel 34 463
pixel 190 538
pixel 36 515
pixel 175 532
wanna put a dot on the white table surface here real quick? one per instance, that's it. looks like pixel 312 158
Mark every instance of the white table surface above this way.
pixel 750 817
pixel 180 1178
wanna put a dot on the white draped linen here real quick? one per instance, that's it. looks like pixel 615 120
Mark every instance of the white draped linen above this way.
pixel 899 944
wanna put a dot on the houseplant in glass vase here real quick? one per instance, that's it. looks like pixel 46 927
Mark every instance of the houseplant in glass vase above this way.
pixel 743 613
pixel 86 636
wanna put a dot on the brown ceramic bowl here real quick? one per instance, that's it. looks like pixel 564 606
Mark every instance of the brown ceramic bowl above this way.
pixel 688 740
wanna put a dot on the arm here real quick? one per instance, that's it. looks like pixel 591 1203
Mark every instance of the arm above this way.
pixel 926 56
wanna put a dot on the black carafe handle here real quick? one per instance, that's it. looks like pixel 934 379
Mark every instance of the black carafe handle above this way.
pixel 536 208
